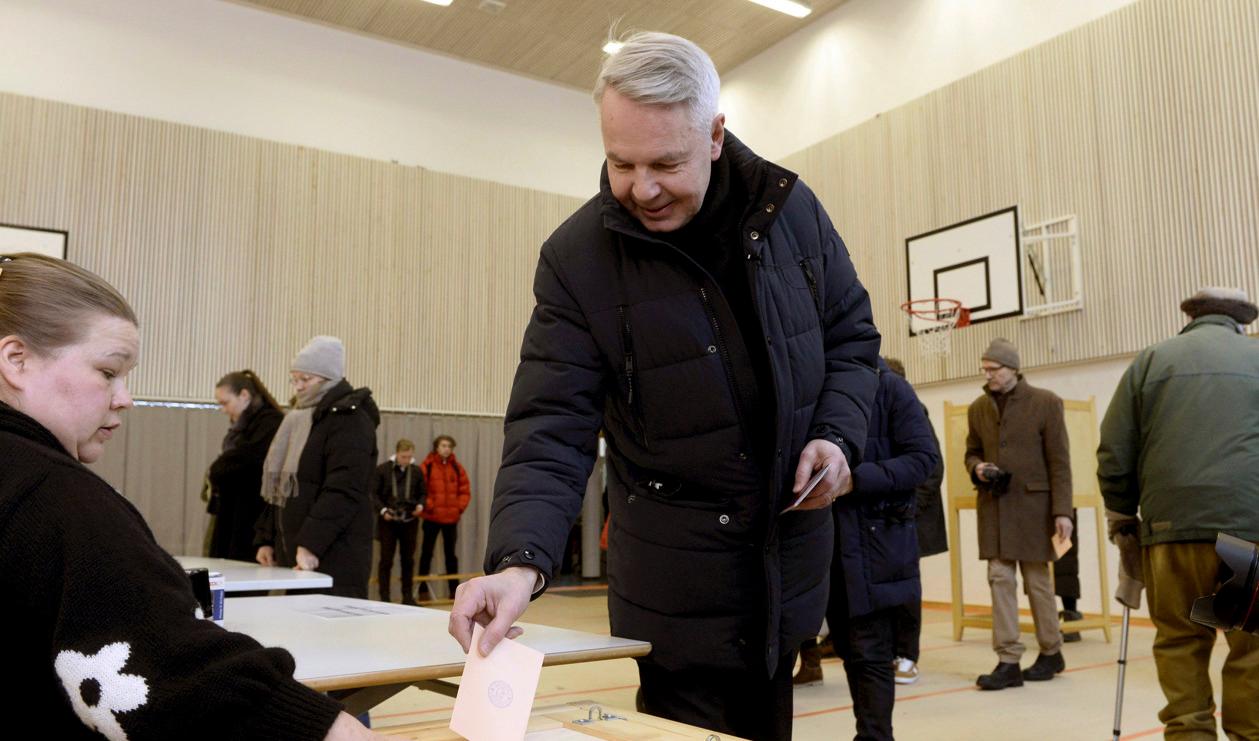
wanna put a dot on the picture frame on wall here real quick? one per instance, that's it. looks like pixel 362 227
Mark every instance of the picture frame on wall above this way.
pixel 51 242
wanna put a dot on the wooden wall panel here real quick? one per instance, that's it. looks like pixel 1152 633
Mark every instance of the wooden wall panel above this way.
pixel 1140 123
pixel 234 251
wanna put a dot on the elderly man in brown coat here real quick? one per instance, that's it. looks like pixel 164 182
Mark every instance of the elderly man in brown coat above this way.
pixel 1018 456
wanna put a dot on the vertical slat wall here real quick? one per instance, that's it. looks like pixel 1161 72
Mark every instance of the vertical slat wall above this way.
pixel 234 251
pixel 1141 123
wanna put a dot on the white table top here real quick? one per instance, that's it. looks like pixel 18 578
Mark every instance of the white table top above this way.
pixel 388 643
pixel 242 576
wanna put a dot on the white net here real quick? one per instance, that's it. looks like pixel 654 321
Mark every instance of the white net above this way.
pixel 932 321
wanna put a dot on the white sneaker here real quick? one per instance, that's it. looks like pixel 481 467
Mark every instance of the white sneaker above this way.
pixel 906 671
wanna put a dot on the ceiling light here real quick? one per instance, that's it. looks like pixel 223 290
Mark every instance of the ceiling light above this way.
pixel 612 47
pixel 439 2
pixel 793 8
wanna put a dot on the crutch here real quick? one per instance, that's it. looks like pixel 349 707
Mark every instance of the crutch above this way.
pixel 1123 669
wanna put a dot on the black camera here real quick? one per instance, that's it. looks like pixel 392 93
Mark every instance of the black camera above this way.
pixel 403 510
pixel 1235 605
pixel 998 482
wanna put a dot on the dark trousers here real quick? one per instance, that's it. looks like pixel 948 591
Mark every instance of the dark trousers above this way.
pixel 908 629
pixel 397 536
pixel 744 703
pixel 450 534
pixel 867 645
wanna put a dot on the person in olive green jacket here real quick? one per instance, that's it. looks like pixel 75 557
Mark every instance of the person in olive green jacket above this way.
pixel 1021 430
pixel 1180 446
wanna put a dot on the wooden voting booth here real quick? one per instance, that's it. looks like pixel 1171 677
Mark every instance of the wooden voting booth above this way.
pixel 1082 430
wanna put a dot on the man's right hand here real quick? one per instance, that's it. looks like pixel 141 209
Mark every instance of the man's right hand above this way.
pixel 387 516
pixel 266 555
pixel 494 602
pixel 983 470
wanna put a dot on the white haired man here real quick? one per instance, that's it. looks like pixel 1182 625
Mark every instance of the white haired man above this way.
pixel 702 311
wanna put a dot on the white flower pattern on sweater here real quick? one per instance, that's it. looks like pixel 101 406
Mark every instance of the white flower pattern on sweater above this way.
pixel 114 691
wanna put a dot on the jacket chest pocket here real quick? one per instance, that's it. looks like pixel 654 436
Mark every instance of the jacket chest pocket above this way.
pixel 672 382
pixel 797 290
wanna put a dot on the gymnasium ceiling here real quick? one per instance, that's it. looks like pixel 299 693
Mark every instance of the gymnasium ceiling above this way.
pixel 555 40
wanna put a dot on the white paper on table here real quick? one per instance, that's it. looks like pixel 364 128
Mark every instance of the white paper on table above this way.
pixel 496 692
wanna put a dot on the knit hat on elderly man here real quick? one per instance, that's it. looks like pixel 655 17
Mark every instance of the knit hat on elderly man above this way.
pixel 1004 352
pixel 1230 302
pixel 323 356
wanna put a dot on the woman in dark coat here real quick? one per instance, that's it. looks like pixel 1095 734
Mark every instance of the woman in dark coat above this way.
pixel 105 636
pixel 235 477
pixel 875 567
pixel 317 473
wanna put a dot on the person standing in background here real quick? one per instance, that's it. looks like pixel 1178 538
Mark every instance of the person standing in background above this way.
pixel 1019 457
pixel 449 493
pixel 933 538
pixel 399 493
pixel 317 472
pixel 235 477
pixel 1180 448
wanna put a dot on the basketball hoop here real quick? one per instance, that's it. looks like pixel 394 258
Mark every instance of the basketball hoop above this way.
pixel 937 317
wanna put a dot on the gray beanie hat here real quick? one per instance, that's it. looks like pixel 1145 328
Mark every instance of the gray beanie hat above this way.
pixel 1004 352
pixel 1231 302
pixel 323 356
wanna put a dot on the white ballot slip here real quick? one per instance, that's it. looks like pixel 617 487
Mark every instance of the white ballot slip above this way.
pixel 808 488
pixel 496 692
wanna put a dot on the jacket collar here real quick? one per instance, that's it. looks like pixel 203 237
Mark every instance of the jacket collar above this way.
pixel 1215 319
pixel 1019 390
pixel 17 423
pixel 768 186
pixel 343 394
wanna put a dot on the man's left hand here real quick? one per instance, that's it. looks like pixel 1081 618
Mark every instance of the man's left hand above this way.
pixel 836 483
pixel 1064 526
pixel 418 509
pixel 306 561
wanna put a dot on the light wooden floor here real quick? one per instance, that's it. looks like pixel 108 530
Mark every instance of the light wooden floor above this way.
pixel 943 704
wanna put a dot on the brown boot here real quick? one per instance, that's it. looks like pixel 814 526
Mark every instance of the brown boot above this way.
pixel 810 667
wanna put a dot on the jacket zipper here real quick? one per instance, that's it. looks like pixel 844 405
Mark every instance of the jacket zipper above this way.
pixel 627 342
pixel 627 346
pixel 808 276
pixel 726 363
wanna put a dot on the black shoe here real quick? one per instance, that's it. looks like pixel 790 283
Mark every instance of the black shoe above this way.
pixel 1067 616
pixel 1005 675
pixel 1045 668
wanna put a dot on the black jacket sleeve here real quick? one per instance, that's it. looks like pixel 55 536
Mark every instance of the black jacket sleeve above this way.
pixel 348 455
pixel 551 428
pixel 851 346
pixel 122 624
pixel 380 485
pixel 914 452
pixel 421 490
pixel 232 470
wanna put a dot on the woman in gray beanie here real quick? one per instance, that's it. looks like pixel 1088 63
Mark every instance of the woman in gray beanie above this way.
pixel 319 515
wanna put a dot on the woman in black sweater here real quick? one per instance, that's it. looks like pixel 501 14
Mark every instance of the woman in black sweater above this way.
pixel 103 630
pixel 236 475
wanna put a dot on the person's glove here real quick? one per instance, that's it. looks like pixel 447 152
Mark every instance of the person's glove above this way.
pixel 1125 532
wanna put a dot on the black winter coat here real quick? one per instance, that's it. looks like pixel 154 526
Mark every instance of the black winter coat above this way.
pixel 933 536
pixel 876 543
pixel 236 479
pixel 332 513
pixel 630 335
pixel 95 608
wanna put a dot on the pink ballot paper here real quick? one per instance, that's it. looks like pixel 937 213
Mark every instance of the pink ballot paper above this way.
pixel 496 691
